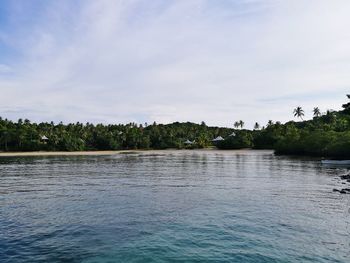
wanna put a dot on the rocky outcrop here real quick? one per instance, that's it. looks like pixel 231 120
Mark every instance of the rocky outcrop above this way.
pixel 346 178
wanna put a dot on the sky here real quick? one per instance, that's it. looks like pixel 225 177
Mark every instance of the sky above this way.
pixel 116 61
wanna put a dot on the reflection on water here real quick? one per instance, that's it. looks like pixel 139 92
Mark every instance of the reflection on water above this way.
pixel 190 206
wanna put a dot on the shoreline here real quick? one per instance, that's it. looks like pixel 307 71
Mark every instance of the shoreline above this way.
pixel 63 153
pixel 101 153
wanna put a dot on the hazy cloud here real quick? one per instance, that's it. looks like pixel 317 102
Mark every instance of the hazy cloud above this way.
pixel 5 69
pixel 164 61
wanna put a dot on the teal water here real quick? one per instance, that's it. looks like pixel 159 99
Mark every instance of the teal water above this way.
pixel 172 206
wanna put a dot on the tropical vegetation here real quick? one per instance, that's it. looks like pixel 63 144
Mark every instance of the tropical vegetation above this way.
pixel 326 134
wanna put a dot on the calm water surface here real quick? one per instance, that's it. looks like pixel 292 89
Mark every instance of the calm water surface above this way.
pixel 178 206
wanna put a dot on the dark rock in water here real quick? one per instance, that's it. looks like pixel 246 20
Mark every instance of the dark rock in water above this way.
pixel 345 177
pixel 342 191
pixel 343 183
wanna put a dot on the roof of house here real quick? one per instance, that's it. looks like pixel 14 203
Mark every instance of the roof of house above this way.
pixel 219 138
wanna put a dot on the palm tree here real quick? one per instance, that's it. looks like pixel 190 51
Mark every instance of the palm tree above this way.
pixel 236 124
pixel 317 112
pixel 241 123
pixel 346 106
pixel 299 112
pixel 256 126
pixel 269 123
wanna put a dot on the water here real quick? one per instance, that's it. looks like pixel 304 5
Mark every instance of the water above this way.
pixel 178 206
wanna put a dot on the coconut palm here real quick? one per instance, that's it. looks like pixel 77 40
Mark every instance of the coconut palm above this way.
pixel 317 112
pixel 236 124
pixel 269 123
pixel 241 124
pixel 256 126
pixel 299 112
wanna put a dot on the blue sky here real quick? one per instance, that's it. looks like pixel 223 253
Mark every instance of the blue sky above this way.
pixel 164 61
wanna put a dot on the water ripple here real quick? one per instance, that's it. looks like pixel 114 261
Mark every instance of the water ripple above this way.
pixel 189 206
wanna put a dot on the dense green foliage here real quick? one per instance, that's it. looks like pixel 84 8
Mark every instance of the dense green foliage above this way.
pixel 242 139
pixel 324 135
pixel 27 136
pixel 328 135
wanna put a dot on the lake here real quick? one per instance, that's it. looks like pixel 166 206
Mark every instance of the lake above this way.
pixel 172 206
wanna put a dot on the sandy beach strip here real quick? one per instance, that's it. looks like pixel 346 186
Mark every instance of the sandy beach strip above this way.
pixel 78 153
pixel 150 151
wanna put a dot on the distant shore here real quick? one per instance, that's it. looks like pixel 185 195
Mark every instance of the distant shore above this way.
pixel 78 153
pixel 97 153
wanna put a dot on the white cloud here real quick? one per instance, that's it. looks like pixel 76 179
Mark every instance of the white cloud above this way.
pixel 120 61
pixel 5 69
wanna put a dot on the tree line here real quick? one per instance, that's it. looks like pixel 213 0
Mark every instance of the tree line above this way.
pixel 327 134
pixel 24 135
